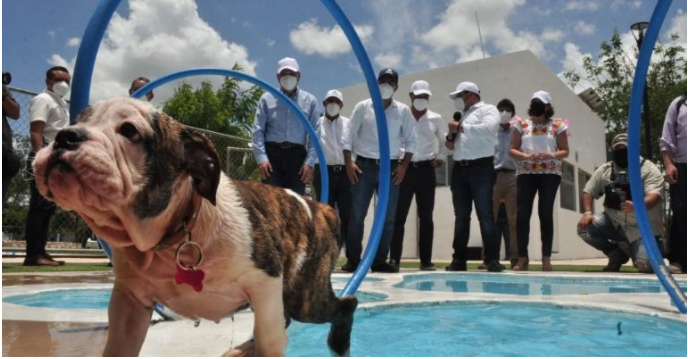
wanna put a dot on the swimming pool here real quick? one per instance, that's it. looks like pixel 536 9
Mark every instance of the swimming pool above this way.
pixel 100 298
pixel 502 329
pixel 526 285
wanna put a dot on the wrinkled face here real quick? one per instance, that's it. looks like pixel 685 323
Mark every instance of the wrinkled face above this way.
pixel 129 171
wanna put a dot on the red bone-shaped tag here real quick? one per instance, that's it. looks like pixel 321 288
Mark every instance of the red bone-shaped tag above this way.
pixel 192 277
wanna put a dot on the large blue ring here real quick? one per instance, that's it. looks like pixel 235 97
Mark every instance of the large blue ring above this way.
pixel 81 86
pixel 655 256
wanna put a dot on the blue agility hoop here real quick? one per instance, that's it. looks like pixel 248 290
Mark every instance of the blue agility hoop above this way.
pixel 258 82
pixel 81 86
pixel 655 256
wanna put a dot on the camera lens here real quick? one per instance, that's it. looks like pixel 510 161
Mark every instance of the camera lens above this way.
pixel 6 78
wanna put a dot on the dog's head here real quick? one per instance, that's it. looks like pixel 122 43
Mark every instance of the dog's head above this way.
pixel 130 171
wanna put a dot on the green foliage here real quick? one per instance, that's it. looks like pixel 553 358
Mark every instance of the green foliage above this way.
pixel 611 76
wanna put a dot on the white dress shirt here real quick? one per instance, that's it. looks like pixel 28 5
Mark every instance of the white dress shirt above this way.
pixel 479 137
pixel 52 109
pixel 431 131
pixel 331 133
pixel 362 137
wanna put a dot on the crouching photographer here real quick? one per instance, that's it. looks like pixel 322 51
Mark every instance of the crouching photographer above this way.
pixel 615 232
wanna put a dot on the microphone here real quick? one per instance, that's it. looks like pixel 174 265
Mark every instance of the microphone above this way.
pixel 457 118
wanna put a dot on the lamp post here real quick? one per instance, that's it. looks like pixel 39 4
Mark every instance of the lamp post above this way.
pixel 638 30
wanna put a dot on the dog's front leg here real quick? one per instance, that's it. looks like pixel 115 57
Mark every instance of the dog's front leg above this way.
pixel 128 321
pixel 270 333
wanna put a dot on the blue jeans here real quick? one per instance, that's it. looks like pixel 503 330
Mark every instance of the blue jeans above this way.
pixel 469 185
pixel 608 237
pixel 362 193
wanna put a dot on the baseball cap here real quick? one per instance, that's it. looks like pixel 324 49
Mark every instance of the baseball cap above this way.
pixel 465 86
pixel 543 96
pixel 335 94
pixel 287 63
pixel 421 87
pixel 620 140
pixel 388 72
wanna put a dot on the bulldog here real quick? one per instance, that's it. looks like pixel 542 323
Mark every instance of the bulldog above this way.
pixel 188 237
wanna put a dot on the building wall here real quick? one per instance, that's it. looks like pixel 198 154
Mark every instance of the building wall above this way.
pixel 515 76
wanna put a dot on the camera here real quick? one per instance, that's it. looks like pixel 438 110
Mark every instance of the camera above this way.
pixel 6 78
pixel 622 186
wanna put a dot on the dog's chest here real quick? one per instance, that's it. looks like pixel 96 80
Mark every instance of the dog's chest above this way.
pixel 214 302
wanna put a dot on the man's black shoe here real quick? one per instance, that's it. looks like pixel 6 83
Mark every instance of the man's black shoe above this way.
pixel 617 258
pixel 427 267
pixel 394 264
pixel 350 267
pixel 456 266
pixel 495 267
pixel 384 267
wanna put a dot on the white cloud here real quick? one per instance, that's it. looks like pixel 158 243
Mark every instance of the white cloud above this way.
pixel 552 35
pixel 678 26
pixel 310 38
pixel 581 5
pixel 270 42
pixel 51 35
pixel 73 42
pixel 388 59
pixel 632 4
pixel 159 37
pixel 573 61
pixel 584 28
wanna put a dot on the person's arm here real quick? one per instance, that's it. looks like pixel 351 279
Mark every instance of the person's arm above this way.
pixel 488 124
pixel 515 149
pixel 258 139
pixel 36 134
pixel 562 146
pixel 669 167
pixel 314 119
pixel 653 186
pixel 441 134
pixel 667 144
pixel 39 110
pixel 588 216
pixel 355 122
pixel 10 107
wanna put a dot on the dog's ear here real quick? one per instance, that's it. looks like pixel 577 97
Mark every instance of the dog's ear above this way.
pixel 202 163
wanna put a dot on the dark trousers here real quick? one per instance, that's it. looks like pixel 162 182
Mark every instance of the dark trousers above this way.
pixel 677 244
pixel 339 197
pixel 362 193
pixel 504 230
pixel 38 218
pixel 545 186
pixel 286 164
pixel 421 182
pixel 473 185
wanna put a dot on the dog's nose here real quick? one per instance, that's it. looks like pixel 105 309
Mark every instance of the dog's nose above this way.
pixel 69 139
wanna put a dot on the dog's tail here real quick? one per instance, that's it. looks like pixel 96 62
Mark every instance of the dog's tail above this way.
pixel 339 338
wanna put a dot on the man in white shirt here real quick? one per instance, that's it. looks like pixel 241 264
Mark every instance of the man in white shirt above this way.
pixel 364 171
pixel 420 179
pixel 49 114
pixel 473 141
pixel 333 126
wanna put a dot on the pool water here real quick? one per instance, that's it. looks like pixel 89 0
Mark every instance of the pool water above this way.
pixel 528 285
pixel 100 298
pixel 506 329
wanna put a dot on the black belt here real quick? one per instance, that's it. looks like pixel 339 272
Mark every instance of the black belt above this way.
pixel 506 170
pixel 284 145
pixel 476 162
pixel 372 160
pixel 336 168
pixel 422 164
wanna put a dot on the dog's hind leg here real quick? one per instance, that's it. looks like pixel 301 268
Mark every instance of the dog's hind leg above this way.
pixel 341 323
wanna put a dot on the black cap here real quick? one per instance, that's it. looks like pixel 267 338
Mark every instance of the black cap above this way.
pixel 388 72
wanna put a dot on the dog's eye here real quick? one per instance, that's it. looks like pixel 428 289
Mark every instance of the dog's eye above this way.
pixel 130 132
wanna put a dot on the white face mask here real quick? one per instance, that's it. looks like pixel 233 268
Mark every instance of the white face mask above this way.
pixel 420 104
pixel 332 109
pixel 288 82
pixel 458 103
pixel 61 88
pixel 386 91
pixel 505 117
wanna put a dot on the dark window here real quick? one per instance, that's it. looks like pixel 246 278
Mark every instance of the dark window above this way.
pixel 583 178
pixel 568 186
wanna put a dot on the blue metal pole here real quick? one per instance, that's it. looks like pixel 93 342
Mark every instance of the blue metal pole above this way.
pixel 655 256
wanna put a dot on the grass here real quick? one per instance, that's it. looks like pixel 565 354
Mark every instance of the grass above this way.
pixel 473 266
pixel 69 267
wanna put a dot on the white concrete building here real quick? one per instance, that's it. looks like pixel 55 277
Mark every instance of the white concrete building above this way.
pixel 515 76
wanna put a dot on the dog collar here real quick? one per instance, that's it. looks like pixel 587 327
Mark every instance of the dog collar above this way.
pixel 182 231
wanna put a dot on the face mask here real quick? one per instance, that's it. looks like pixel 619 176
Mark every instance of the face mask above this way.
pixel 332 109
pixel 61 88
pixel 420 104
pixel 458 103
pixel 288 82
pixel 505 116
pixel 386 91
pixel 536 109
pixel 620 157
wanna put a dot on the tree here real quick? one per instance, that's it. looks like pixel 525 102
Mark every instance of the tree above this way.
pixel 611 76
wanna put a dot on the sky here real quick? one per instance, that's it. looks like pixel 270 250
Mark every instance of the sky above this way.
pixel 155 37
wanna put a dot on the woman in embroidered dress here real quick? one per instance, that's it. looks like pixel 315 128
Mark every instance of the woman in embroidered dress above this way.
pixel 538 144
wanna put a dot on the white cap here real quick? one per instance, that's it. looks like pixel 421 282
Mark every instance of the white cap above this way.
pixel 336 94
pixel 465 86
pixel 421 87
pixel 543 96
pixel 287 63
